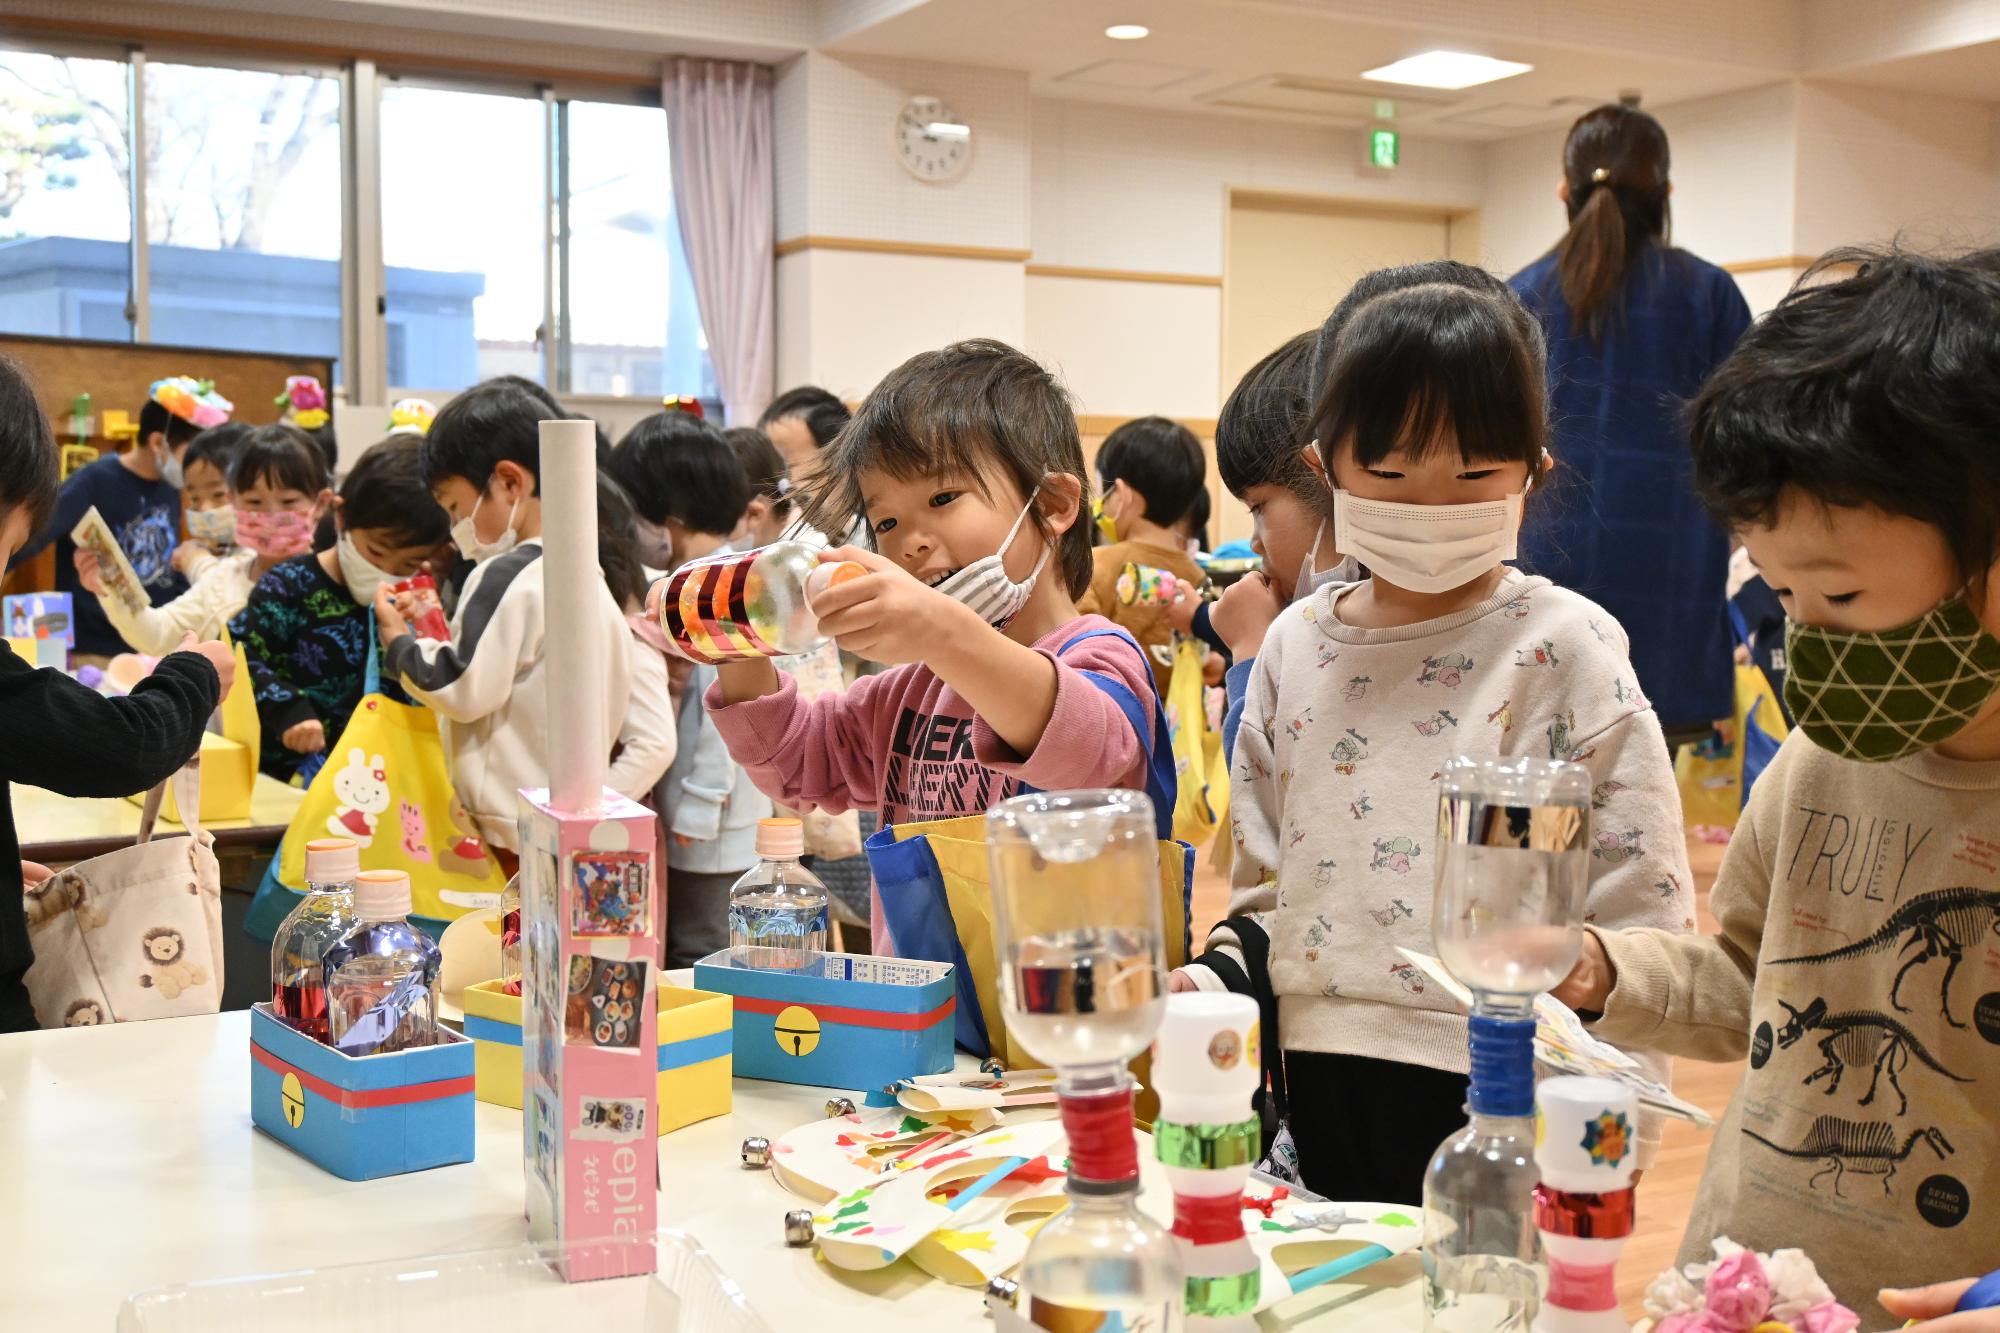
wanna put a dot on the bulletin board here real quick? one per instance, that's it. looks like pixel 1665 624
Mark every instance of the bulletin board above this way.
pixel 117 375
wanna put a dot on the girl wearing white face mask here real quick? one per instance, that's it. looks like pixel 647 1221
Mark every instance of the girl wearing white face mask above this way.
pixel 1430 416
pixel 306 626
pixel 967 465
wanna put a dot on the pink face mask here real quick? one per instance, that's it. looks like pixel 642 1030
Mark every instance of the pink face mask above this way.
pixel 276 536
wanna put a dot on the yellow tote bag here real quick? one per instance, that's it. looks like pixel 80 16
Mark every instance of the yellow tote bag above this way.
pixel 920 868
pixel 1204 778
pixel 384 784
pixel 1711 779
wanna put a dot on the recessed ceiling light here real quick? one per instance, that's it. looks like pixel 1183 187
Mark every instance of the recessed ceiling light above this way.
pixel 1446 69
pixel 1127 32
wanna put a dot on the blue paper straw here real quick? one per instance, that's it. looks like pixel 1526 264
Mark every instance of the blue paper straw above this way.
pixel 1335 1269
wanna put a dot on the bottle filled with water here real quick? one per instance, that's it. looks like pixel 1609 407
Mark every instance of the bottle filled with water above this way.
pixel 1508 921
pixel 778 910
pixel 382 975
pixel 298 981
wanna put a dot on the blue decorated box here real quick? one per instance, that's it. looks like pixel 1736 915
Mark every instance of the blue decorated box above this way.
pixel 843 1021
pixel 361 1116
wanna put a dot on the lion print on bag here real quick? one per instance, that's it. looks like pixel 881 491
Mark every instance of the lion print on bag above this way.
pixel 171 972
pixel 59 893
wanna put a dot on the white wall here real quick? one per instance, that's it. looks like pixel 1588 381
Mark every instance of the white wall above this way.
pixel 846 319
pixel 1876 163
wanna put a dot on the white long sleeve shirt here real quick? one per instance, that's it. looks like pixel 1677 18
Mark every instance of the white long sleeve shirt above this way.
pixel 220 588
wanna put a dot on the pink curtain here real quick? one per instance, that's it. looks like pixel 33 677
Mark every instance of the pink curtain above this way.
pixel 719 132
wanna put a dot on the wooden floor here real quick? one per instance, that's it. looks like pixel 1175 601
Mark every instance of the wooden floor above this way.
pixel 1667 1192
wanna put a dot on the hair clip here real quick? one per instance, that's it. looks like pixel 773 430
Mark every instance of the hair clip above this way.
pixel 1599 175
pixel 193 401
pixel 784 485
pixel 684 403
pixel 411 416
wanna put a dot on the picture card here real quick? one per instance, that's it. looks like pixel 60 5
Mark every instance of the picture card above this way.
pixel 612 894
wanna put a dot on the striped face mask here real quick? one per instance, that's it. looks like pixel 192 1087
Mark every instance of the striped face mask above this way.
pixel 984 586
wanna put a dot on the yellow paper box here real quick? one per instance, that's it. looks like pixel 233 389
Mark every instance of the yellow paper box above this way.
pixel 695 1065
pixel 228 770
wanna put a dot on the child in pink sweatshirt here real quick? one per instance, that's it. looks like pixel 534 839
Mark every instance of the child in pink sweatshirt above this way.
pixel 966 464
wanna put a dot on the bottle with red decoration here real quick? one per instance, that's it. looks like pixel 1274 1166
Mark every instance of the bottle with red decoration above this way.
pixel 298 985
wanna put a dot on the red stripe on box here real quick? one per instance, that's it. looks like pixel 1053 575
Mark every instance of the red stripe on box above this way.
pixel 863 1018
pixel 354 1100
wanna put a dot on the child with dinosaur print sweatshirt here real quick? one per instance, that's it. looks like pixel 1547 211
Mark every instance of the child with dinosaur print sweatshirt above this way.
pixel 1852 440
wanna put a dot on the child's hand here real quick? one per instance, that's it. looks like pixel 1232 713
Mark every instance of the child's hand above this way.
pixel 884 615
pixel 88 572
pixel 1934 1306
pixel 1178 981
pixel 305 737
pixel 1186 600
pixel 216 656
pixel 389 622
pixel 1589 983
pixel 1244 614
pixel 33 873
pixel 1213 669
pixel 184 555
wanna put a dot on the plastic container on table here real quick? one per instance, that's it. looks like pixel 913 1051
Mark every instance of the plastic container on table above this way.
pixel 480 1291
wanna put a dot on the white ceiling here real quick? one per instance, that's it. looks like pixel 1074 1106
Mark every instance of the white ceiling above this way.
pixel 1288 61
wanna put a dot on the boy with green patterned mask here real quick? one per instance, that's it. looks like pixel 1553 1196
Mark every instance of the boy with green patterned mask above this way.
pixel 1852 442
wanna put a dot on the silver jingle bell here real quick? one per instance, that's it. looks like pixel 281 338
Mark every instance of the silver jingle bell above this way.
pixel 1002 1291
pixel 839 1106
pixel 756 1151
pixel 991 1067
pixel 799 1227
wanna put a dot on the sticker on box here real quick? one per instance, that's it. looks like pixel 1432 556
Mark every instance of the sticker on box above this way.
pixel 603 1007
pixel 611 1119
pixel 611 895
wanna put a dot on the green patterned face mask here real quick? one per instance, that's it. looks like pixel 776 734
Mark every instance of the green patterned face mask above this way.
pixel 1881 695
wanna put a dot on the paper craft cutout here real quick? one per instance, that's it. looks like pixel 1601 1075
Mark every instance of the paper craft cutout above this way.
pixel 41 615
pixel 1302 1245
pixel 1564 1046
pixel 612 895
pixel 120 579
pixel 964 1092
pixel 969 1190
pixel 828 1158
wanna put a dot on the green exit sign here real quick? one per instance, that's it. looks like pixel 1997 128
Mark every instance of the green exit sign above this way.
pixel 1385 148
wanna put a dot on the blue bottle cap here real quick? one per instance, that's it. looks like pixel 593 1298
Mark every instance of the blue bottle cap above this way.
pixel 1981 1295
pixel 1503 1066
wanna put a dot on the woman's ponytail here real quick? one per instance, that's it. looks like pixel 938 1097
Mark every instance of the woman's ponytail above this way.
pixel 1615 168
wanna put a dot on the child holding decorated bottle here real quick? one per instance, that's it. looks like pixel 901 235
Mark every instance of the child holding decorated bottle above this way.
pixel 1428 428
pixel 1852 442
pixel 966 467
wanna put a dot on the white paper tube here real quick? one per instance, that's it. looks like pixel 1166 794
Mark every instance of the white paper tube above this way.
pixel 573 662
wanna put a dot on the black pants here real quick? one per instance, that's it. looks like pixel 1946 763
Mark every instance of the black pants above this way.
pixel 1366 1129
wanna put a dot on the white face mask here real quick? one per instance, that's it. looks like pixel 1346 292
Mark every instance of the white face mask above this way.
pixel 465 534
pixel 171 471
pixel 362 578
pixel 1312 578
pixel 1427 548
pixel 984 586
pixel 216 527
pixel 655 545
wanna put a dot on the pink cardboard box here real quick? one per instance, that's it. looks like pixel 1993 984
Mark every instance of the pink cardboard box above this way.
pixel 589 908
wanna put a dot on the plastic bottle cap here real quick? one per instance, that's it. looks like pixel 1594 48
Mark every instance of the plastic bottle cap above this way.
pixel 381 895
pixel 332 860
pixel 780 839
pixel 832 576
pixel 1206 1063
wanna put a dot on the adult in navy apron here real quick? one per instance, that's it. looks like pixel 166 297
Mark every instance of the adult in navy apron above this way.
pixel 1634 326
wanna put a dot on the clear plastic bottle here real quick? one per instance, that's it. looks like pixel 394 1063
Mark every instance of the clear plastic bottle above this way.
pixel 382 975
pixel 1101 1255
pixel 298 983
pixel 1483 1264
pixel 750 603
pixel 778 910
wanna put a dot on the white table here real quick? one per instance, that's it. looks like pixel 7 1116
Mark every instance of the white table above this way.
pixel 128 1161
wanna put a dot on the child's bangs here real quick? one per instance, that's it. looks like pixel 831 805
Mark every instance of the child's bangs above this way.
pixel 280 456
pixel 904 450
pixel 1429 368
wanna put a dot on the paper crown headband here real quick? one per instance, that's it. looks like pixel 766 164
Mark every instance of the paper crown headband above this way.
pixel 683 403
pixel 411 416
pixel 304 401
pixel 193 401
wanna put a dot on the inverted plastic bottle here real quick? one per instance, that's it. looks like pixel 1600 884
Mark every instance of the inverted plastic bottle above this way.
pixel 298 950
pixel 778 910
pixel 750 603
pixel 382 975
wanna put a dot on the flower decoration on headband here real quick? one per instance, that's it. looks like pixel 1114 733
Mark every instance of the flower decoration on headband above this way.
pixel 411 416
pixel 304 401
pixel 193 401
pixel 681 402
